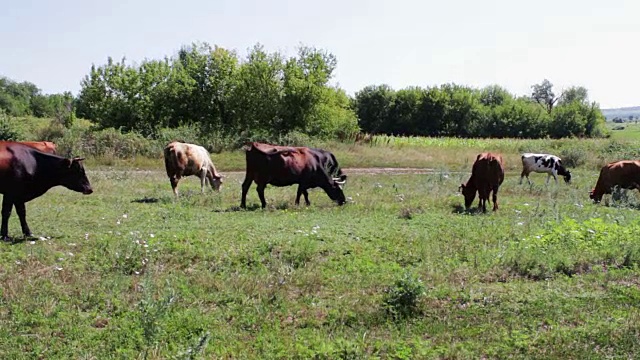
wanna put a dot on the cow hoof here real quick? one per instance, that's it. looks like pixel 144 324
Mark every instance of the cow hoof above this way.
pixel 6 238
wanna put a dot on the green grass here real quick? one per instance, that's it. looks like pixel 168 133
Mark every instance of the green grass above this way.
pixel 631 131
pixel 128 272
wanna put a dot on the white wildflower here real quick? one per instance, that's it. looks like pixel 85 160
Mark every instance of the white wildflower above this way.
pixel 125 216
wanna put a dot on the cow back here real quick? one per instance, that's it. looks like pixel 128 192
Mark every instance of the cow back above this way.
pixel 623 173
pixel 488 169
pixel 44 146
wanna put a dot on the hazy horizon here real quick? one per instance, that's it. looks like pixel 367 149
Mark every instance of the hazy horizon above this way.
pixel 403 43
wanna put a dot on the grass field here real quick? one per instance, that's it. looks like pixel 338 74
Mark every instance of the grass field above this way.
pixel 399 272
pixel 631 131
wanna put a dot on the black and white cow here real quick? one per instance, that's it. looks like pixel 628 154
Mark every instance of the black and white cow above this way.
pixel 543 163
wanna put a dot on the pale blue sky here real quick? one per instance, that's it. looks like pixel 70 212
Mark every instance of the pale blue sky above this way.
pixel 592 43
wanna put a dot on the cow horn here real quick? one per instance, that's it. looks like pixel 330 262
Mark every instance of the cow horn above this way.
pixel 78 159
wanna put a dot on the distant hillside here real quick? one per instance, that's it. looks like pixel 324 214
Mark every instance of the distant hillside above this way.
pixel 622 113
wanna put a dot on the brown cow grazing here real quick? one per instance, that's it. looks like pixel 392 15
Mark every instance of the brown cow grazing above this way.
pixel 487 175
pixel 44 146
pixel 181 159
pixel 26 173
pixel 284 166
pixel 625 174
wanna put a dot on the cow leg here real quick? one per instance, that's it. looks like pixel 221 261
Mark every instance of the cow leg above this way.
pixel 306 197
pixel 203 180
pixel 22 214
pixel 495 199
pixel 522 175
pixel 260 190
pixel 7 206
pixel 484 196
pixel 174 185
pixel 246 184
pixel 299 192
pixel 302 191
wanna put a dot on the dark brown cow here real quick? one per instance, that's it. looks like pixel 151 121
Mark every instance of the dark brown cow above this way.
pixel 284 166
pixel 487 175
pixel 44 146
pixel 26 173
pixel 625 174
pixel 182 159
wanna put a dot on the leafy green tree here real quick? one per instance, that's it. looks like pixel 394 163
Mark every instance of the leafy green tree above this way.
pixel 332 117
pixel 257 96
pixel 430 116
pixel 304 80
pixel 574 94
pixel 402 117
pixel 543 94
pixel 494 95
pixel 372 106
pixel 568 120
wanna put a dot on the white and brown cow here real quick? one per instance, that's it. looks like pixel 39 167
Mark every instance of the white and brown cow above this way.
pixel 543 163
pixel 181 159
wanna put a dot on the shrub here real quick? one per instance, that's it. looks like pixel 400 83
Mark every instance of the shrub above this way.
pixel 573 157
pixel 401 300
pixel 7 131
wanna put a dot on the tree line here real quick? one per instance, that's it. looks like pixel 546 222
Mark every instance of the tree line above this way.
pixel 460 111
pixel 26 99
pixel 266 94
pixel 211 87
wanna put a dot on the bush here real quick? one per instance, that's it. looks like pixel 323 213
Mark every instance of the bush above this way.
pixel 7 130
pixel 401 300
pixel 573 157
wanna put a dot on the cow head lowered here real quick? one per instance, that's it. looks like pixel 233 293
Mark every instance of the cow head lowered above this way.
pixel 469 193
pixel 335 190
pixel 73 177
